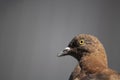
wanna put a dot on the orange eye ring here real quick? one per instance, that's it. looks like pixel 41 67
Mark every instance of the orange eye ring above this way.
pixel 81 42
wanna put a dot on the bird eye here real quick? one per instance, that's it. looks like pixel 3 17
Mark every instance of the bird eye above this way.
pixel 81 42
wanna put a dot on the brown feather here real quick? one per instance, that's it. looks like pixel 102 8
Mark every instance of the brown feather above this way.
pixel 92 59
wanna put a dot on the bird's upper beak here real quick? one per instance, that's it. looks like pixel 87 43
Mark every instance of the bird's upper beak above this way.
pixel 64 52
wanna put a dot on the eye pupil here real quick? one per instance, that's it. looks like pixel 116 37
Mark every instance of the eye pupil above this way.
pixel 81 41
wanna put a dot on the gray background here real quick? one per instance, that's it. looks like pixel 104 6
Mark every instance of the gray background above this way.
pixel 32 32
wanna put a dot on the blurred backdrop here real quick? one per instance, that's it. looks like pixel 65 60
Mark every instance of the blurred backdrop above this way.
pixel 32 32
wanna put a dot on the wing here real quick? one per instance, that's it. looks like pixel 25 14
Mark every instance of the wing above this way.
pixel 75 74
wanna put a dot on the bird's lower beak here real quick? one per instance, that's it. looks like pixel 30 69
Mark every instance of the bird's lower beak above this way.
pixel 64 52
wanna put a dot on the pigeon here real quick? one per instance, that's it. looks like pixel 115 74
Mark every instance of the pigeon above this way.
pixel 91 57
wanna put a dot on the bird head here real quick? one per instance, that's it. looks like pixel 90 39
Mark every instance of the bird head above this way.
pixel 89 52
pixel 82 45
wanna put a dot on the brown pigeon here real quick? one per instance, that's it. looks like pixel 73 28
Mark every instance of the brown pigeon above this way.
pixel 91 57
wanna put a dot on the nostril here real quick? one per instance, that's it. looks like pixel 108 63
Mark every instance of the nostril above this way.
pixel 67 48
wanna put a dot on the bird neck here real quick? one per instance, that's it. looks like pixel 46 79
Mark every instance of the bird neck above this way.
pixel 93 63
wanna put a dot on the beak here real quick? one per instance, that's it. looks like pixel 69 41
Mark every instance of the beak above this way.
pixel 64 52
